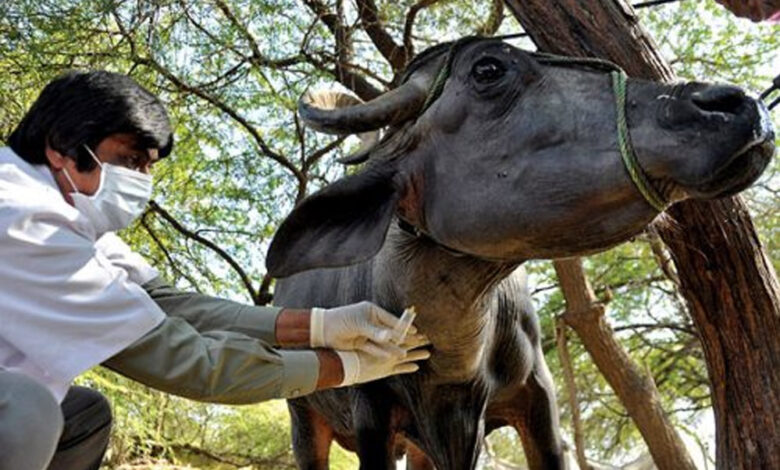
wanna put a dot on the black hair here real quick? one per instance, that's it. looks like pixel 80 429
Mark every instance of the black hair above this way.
pixel 83 108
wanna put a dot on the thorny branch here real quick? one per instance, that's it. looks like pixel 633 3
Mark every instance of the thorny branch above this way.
pixel 258 58
pixel 173 264
pixel 259 296
pixel 411 15
pixel 397 56
pixel 494 20
pixel 340 71
pixel 222 106
pixel 571 391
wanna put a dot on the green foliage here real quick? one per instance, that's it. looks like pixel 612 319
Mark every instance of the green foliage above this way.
pixel 241 161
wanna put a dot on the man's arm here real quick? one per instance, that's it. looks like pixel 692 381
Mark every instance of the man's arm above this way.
pixel 362 325
pixel 232 368
pixel 216 350
pixel 205 316
pixel 206 313
pixel 223 367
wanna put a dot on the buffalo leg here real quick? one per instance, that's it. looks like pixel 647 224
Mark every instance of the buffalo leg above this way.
pixel 453 425
pixel 311 436
pixel 537 422
pixel 371 415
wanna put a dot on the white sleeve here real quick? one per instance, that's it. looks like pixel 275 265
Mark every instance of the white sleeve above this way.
pixel 63 304
pixel 121 255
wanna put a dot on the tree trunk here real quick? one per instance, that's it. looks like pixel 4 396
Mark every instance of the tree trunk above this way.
pixel 733 298
pixel 635 388
pixel 729 284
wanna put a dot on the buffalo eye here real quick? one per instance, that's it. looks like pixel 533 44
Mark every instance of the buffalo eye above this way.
pixel 487 70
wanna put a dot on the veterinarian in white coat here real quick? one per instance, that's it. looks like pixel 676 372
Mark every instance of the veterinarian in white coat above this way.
pixel 73 295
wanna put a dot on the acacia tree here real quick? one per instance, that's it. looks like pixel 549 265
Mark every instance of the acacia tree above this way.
pixel 231 72
pixel 726 277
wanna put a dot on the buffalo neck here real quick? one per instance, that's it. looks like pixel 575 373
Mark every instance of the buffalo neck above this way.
pixel 451 293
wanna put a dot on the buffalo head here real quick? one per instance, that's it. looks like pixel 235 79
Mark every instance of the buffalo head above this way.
pixel 507 155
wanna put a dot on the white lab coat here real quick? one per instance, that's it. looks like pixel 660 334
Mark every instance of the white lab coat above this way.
pixel 67 301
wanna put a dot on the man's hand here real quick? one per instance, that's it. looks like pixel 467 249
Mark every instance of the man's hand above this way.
pixel 342 368
pixel 360 367
pixel 362 327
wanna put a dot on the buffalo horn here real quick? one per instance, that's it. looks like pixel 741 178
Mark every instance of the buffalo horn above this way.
pixel 340 115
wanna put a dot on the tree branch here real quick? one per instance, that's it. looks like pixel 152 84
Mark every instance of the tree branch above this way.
pixel 316 155
pixel 257 58
pixel 310 161
pixel 571 392
pixel 494 20
pixel 166 253
pixel 253 294
pixel 411 15
pixel 340 72
pixel 238 461
pixel 222 106
pixel 396 56
pixel 656 326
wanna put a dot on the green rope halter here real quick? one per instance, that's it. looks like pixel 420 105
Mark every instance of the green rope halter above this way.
pixel 638 175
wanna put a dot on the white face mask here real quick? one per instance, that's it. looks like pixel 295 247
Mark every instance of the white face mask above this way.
pixel 121 197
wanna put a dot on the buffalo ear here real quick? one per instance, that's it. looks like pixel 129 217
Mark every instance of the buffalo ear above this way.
pixel 343 224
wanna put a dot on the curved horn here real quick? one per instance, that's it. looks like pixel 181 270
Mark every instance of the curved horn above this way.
pixel 332 99
pixel 390 108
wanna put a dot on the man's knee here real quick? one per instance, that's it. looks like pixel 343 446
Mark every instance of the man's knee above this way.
pixel 86 411
pixel 31 423
pixel 87 430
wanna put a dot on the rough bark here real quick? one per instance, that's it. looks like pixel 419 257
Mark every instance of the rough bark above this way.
pixel 595 28
pixel 729 285
pixel 734 301
pixel 636 390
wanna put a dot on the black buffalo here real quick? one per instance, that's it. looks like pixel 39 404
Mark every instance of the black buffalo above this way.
pixel 492 156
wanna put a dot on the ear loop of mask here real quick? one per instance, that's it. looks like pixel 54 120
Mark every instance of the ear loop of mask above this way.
pixel 94 157
pixel 70 180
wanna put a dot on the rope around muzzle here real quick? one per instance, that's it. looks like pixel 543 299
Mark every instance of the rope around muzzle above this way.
pixel 627 154
pixel 635 171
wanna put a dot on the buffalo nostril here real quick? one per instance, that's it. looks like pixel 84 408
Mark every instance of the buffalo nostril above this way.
pixel 719 98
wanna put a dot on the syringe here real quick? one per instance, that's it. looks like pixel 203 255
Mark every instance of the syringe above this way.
pixel 402 327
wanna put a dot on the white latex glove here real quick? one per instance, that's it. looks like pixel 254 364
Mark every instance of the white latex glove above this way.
pixel 360 367
pixel 363 326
